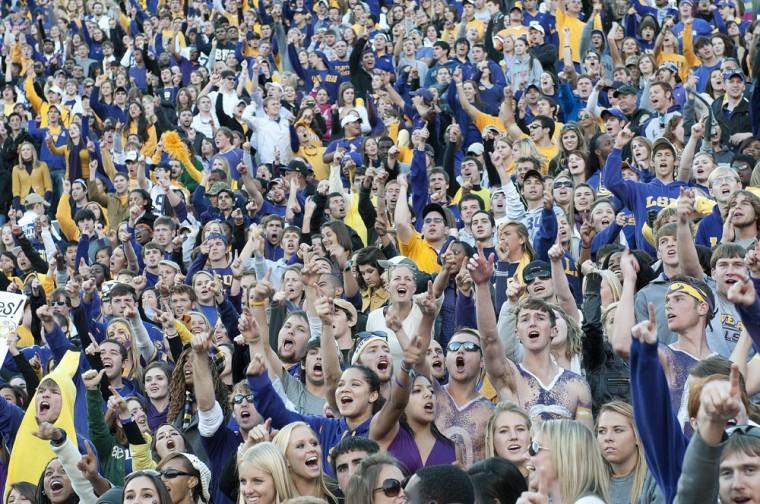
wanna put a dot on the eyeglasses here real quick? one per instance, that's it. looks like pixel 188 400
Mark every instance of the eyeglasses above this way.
pixel 239 398
pixel 469 346
pixel 536 447
pixel 433 220
pixel 723 180
pixel 391 487
pixel 370 334
pixel 174 473
pixel 563 183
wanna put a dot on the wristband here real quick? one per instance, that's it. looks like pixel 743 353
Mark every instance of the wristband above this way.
pixel 406 370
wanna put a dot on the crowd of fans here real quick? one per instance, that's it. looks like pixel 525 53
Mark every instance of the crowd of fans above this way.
pixel 380 252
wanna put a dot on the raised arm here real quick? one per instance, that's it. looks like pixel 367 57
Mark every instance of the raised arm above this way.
pixel 500 370
pixel 624 316
pixel 561 285
pixel 688 259
pixel 402 216
pixel 687 156
pixel 202 381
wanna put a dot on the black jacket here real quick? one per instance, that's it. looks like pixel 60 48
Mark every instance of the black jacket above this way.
pixel 738 122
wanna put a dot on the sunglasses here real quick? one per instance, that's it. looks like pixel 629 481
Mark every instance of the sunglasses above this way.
pixel 239 398
pixel 174 473
pixel 563 183
pixel 469 346
pixel 744 430
pixel 542 276
pixel 57 303
pixel 369 334
pixel 535 447
pixel 391 487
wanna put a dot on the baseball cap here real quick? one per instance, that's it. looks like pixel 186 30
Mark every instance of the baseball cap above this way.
pixel 398 260
pixel 276 181
pixel 533 174
pixel 476 148
pixel 669 65
pixel 384 65
pixel 216 188
pixel 433 207
pixel 632 60
pixel 33 199
pixel 663 142
pixel 131 156
pixel 423 93
pixel 346 306
pixel 733 72
pixel 171 264
pixel 536 269
pixel 120 89
pixel 298 166
pixel 534 25
pixel 614 112
pixel 350 118
pixel 55 89
pixel 625 89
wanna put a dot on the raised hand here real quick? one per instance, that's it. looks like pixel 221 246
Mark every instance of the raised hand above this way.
pixel 556 253
pixel 686 205
pixel 623 137
pixel 480 267
pixel 47 432
pixel 324 309
pixel 629 266
pixel 88 464
pixel 92 378
pixel 200 343
pixel 515 290
pixel 257 366
pixel 721 400
pixel 646 330
pixel 742 292
pixel 426 301
pixel 393 319
pixel 414 353
pixel 587 233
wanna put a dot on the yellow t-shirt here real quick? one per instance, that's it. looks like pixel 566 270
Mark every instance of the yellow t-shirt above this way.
pixel 420 251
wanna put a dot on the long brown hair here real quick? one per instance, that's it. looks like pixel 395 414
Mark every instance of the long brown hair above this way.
pixel 177 388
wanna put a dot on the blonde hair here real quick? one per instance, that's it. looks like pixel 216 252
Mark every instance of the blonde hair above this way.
pixel 613 282
pixel 268 458
pixel 574 341
pixel 641 470
pixel 282 439
pixel 502 407
pixel 569 442
pixel 608 312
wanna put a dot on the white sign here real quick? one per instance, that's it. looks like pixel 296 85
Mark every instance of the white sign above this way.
pixel 11 312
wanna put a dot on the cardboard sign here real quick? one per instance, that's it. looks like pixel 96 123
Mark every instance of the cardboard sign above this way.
pixel 11 312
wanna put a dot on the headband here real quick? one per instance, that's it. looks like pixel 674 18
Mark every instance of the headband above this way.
pixel 362 344
pixel 690 290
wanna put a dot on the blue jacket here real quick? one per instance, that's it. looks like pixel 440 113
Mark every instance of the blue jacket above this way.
pixel 751 317
pixel 639 197
pixel 329 430
pixel 710 229
pixel 661 435
pixel 220 447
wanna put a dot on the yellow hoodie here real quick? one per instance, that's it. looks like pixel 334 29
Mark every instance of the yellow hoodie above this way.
pixel 31 454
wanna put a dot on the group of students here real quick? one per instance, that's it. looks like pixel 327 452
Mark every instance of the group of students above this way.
pixel 380 252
